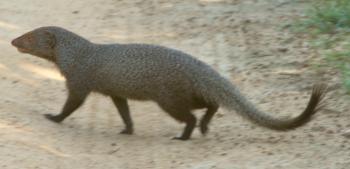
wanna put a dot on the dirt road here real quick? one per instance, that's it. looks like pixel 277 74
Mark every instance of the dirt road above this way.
pixel 244 40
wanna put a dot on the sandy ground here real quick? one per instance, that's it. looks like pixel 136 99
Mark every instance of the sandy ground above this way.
pixel 244 40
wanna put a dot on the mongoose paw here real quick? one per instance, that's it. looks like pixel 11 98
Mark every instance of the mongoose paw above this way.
pixel 53 118
pixel 204 130
pixel 127 131
pixel 180 138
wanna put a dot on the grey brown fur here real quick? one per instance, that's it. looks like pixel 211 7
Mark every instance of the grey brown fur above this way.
pixel 175 80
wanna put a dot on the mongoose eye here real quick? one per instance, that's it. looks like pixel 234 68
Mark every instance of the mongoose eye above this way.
pixel 30 39
pixel 50 39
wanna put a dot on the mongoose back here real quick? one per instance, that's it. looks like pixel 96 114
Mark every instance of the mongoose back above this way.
pixel 176 81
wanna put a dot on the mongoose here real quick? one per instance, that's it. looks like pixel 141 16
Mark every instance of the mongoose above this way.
pixel 176 81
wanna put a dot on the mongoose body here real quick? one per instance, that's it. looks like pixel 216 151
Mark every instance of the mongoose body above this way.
pixel 176 81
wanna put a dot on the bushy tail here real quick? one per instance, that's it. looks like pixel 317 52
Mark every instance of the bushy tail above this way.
pixel 231 98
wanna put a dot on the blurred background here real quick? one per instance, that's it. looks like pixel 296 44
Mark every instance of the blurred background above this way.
pixel 273 50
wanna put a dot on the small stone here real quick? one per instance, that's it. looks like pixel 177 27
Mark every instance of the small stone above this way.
pixel 113 151
pixel 247 21
pixel 271 138
pixel 283 50
pixel 330 132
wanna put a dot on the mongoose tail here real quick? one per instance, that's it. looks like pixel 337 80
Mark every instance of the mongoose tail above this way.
pixel 248 110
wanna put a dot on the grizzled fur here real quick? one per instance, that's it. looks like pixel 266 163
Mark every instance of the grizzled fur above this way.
pixel 175 80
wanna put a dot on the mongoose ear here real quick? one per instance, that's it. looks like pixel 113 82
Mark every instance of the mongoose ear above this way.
pixel 51 39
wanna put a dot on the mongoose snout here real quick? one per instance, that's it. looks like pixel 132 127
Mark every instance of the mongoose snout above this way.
pixel 18 44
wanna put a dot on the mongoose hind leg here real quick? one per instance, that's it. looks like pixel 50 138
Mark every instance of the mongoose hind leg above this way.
pixel 182 114
pixel 190 121
pixel 205 120
pixel 123 109
pixel 73 102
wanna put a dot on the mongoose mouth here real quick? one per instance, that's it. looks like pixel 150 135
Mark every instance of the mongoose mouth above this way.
pixel 22 50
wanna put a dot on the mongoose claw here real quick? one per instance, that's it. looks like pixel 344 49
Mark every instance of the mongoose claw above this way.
pixel 53 118
pixel 204 130
pixel 127 131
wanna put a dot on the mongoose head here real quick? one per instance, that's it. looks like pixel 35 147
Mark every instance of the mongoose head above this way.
pixel 38 42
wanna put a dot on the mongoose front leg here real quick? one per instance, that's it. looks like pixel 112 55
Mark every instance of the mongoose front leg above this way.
pixel 73 102
pixel 123 109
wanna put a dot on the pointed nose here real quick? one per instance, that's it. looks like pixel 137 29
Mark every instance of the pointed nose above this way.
pixel 14 42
